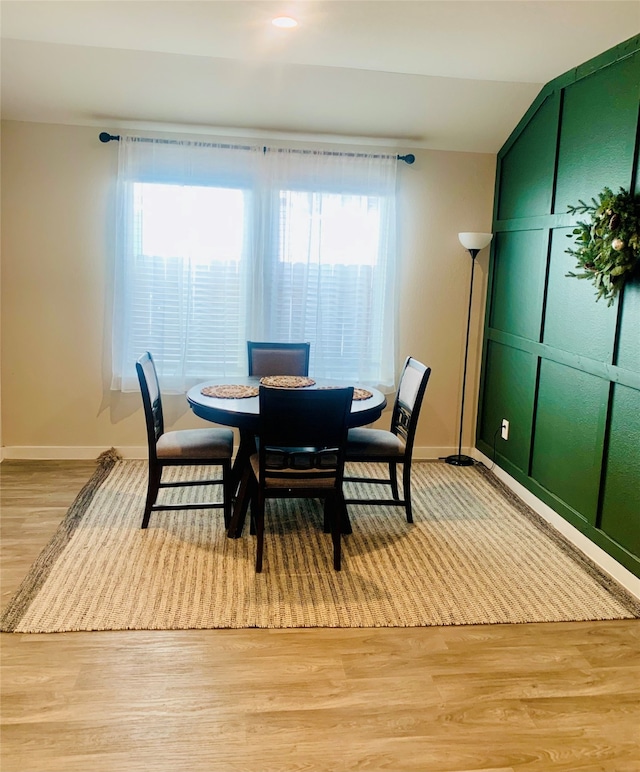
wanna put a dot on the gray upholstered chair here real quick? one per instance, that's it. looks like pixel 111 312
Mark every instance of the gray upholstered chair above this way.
pixel 395 446
pixel 301 454
pixel 185 447
pixel 278 358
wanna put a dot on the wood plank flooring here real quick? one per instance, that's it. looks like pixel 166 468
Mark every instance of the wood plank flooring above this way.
pixel 503 698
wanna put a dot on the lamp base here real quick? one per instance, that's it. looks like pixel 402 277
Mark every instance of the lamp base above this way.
pixel 459 460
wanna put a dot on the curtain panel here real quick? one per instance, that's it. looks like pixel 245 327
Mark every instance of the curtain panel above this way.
pixel 217 244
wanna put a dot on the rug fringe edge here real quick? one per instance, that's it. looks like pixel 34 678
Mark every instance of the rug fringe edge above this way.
pixel 620 593
pixel 39 571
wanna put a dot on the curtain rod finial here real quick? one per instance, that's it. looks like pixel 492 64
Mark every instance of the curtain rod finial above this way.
pixel 106 137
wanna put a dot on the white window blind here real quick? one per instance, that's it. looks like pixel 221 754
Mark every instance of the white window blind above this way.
pixel 218 244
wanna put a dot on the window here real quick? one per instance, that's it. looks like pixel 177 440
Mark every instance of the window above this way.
pixel 186 278
pixel 326 275
pixel 217 244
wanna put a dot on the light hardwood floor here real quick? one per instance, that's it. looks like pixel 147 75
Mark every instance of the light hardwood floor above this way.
pixel 502 698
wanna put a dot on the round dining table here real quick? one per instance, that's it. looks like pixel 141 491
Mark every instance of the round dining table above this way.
pixel 244 414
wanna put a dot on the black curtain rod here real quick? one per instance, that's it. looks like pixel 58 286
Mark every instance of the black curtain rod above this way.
pixel 106 137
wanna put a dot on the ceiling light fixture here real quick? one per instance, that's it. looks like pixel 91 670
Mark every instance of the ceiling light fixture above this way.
pixel 284 22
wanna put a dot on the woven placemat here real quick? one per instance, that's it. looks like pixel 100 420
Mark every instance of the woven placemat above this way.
pixel 286 381
pixel 230 391
pixel 358 394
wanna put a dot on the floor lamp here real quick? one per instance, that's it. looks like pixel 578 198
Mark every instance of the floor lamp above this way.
pixel 473 243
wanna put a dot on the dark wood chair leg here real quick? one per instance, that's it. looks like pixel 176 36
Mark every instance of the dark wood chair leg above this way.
pixel 227 493
pixel 246 447
pixel 258 517
pixel 155 474
pixel 252 498
pixel 393 478
pixel 337 507
pixel 340 512
pixel 406 485
pixel 240 506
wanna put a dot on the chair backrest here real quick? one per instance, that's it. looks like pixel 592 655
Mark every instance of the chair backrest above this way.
pixel 406 408
pixel 303 432
pixel 278 358
pixel 150 388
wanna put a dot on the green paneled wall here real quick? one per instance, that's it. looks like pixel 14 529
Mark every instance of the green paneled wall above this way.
pixel 510 376
pixel 530 160
pixel 629 351
pixel 561 367
pixel 621 502
pixel 573 321
pixel 568 435
pixel 598 132
pixel 518 281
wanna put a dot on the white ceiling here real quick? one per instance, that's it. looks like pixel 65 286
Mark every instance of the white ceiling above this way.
pixel 452 74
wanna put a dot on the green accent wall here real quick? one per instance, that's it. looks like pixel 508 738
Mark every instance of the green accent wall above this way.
pixel 563 369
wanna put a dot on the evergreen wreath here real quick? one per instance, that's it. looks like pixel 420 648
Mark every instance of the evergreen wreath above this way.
pixel 608 246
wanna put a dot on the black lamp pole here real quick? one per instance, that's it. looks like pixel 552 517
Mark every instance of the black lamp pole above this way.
pixel 459 459
pixel 473 243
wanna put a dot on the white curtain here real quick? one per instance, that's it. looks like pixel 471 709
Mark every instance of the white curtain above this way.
pixel 217 244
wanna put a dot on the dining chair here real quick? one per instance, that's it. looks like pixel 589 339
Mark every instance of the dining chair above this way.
pixel 395 446
pixel 185 447
pixel 278 358
pixel 301 444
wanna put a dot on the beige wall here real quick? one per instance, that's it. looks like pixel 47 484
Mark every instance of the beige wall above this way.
pixel 57 199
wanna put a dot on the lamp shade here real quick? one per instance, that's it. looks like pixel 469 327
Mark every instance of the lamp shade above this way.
pixel 475 240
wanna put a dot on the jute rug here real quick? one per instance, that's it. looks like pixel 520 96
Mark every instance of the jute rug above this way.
pixel 474 555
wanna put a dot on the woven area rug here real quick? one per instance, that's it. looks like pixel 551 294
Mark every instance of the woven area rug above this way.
pixel 475 555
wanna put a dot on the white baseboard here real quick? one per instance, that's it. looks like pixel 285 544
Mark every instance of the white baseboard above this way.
pixel 90 452
pixel 431 454
pixel 601 558
pixel 77 453
pixel 66 453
